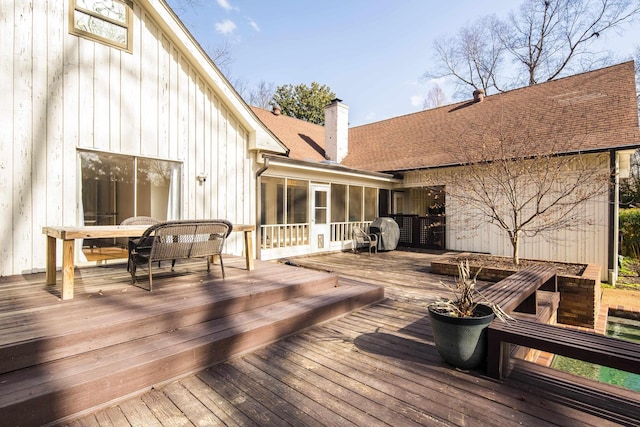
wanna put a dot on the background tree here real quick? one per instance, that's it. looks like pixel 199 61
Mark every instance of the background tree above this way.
pixel 473 57
pixel 435 97
pixel 525 193
pixel 554 37
pixel 304 102
pixel 262 96
pixel 545 39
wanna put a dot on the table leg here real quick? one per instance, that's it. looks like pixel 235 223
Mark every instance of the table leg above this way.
pixel 51 260
pixel 67 268
pixel 248 249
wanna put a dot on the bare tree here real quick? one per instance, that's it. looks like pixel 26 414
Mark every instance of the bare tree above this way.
pixel 473 57
pixel 636 64
pixel 221 55
pixel 525 191
pixel 435 97
pixel 262 96
pixel 548 38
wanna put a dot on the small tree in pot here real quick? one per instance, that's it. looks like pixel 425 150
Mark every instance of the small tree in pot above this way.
pixel 459 324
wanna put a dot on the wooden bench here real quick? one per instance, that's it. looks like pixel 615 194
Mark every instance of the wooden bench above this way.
pixel 173 240
pixel 518 292
pixel 573 343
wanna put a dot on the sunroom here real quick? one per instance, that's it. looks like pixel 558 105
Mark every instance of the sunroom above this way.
pixel 311 207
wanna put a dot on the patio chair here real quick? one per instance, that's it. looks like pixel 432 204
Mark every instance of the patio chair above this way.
pixel 137 220
pixel 184 239
pixel 362 239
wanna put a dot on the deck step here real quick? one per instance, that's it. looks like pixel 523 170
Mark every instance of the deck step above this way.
pixel 57 331
pixel 92 378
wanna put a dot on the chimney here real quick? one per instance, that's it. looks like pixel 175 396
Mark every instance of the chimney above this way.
pixel 276 110
pixel 478 95
pixel 336 130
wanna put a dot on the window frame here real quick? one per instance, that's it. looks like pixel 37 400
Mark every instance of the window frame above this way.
pixel 127 26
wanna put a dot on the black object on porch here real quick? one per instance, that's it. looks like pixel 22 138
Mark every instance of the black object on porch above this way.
pixel 426 232
pixel 388 233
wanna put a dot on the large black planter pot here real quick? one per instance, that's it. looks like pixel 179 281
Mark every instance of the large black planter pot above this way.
pixel 462 341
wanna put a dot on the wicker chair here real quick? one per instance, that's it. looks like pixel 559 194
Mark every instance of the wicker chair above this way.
pixel 174 240
pixel 137 220
pixel 362 239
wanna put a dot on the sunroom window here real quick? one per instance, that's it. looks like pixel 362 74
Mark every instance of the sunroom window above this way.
pixel 106 21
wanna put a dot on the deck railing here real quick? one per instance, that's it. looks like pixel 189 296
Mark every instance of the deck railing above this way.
pixel 343 231
pixel 287 235
pixel 284 235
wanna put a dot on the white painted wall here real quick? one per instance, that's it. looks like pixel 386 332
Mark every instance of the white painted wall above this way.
pixel 164 100
pixel 588 244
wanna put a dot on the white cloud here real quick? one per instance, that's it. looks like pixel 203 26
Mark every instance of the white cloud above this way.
pixel 417 100
pixel 254 25
pixel 225 27
pixel 224 4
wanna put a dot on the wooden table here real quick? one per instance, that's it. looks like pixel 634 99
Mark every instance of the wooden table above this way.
pixel 69 234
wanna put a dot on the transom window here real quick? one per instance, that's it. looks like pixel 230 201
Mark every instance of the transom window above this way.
pixel 106 21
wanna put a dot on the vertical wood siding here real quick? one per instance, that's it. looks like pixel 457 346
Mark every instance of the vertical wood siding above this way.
pixel 588 244
pixel 61 92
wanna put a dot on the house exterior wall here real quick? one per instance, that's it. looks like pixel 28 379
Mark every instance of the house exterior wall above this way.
pixel 62 93
pixel 588 243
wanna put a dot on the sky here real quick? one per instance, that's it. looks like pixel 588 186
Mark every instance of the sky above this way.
pixel 372 54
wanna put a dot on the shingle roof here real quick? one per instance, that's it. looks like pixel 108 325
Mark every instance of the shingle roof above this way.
pixel 305 140
pixel 591 111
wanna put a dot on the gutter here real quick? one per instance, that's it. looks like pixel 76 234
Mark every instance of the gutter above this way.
pixel 259 174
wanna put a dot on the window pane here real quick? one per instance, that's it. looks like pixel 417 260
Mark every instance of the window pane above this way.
pixel 100 28
pixel 338 203
pixel 297 196
pixel 355 203
pixel 370 204
pixel 272 201
pixel 157 189
pixel 107 188
pixel 111 9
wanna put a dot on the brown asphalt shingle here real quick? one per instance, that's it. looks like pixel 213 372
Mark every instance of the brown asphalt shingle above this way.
pixel 591 111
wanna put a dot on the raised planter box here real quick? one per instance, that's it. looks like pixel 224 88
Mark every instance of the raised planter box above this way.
pixel 580 296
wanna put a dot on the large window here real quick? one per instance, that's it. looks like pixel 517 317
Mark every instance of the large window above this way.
pixel 106 21
pixel 278 204
pixel 115 187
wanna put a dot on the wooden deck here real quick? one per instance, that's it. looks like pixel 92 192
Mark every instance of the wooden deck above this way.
pixel 375 366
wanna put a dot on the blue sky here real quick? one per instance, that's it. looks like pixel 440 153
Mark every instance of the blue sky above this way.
pixel 371 53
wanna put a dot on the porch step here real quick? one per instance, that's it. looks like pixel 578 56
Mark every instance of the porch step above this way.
pixel 163 346
pixel 51 332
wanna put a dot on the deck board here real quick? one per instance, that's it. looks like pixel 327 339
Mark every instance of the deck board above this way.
pixel 375 366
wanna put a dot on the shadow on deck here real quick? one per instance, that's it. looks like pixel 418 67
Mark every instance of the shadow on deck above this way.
pixel 376 365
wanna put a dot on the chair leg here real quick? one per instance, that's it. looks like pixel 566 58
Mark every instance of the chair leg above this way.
pixel 150 277
pixel 132 270
pixel 221 265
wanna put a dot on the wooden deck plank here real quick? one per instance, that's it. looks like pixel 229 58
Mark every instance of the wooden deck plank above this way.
pixel 339 403
pixel 164 409
pixel 299 386
pixel 217 404
pixel 276 398
pixel 137 413
pixel 246 404
pixel 190 405
pixel 376 366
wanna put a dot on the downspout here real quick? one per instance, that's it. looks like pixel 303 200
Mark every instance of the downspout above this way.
pixel 613 218
pixel 259 173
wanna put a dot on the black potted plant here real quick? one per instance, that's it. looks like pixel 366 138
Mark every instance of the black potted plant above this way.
pixel 459 324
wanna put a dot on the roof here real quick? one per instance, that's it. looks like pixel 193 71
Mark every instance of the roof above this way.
pixel 592 111
pixel 305 140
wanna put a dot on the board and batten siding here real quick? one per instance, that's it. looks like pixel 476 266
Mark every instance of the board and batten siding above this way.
pixel 584 244
pixel 62 93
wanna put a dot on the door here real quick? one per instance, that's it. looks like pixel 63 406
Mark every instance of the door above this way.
pixel 320 214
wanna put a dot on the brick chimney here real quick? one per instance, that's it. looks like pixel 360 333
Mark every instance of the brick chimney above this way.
pixel 336 130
